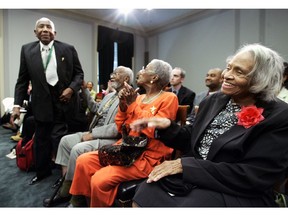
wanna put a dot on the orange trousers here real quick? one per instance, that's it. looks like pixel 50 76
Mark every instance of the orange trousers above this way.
pixel 101 183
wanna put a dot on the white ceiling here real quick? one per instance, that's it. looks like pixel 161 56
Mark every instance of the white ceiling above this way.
pixel 142 21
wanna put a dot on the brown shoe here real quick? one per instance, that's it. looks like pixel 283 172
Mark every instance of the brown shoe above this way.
pixel 17 137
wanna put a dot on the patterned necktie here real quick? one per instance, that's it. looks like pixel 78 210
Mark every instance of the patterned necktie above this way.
pixel 49 65
pixel 98 114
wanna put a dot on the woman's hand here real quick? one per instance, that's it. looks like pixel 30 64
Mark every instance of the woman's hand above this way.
pixel 130 93
pixel 159 123
pixel 166 168
pixel 127 95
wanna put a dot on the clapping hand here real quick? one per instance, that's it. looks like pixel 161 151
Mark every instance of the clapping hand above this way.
pixel 127 95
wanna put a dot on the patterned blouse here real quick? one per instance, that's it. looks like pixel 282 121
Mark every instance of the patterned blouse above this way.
pixel 220 124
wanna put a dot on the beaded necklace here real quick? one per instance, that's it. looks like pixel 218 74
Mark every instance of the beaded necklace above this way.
pixel 147 101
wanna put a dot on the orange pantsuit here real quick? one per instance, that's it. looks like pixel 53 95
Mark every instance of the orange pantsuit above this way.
pixel 101 183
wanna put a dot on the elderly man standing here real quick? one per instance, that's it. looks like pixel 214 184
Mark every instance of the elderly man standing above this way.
pixel 55 72
pixel 103 131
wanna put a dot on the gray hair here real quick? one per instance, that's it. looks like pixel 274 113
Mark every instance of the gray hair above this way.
pixel 267 73
pixel 163 70
pixel 129 73
pixel 45 19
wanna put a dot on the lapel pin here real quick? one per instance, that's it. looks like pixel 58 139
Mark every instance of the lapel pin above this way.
pixel 63 58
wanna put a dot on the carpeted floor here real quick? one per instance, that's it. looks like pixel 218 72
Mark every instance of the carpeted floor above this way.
pixel 15 190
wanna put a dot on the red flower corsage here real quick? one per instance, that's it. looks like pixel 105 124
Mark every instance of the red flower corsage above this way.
pixel 249 116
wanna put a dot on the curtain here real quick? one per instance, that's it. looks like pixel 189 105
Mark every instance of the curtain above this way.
pixel 105 48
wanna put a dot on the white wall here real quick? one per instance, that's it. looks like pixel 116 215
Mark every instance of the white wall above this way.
pixel 196 48
pixel 249 26
pixel 276 31
pixel 206 43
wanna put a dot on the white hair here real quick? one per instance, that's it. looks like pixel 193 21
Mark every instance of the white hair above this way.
pixel 267 74
pixel 44 19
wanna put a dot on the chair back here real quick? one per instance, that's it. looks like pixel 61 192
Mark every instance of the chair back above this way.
pixel 182 114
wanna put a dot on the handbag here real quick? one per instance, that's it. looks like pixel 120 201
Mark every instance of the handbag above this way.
pixel 175 185
pixel 125 153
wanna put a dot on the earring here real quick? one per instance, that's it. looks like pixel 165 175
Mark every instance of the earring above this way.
pixel 151 81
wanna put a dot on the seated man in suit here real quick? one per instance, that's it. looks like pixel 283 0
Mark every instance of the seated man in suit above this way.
pixel 102 131
pixel 213 81
pixel 184 94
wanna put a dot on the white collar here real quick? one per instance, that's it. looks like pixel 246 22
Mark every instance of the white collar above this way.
pixel 49 45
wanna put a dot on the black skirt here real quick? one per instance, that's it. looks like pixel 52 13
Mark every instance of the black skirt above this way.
pixel 152 195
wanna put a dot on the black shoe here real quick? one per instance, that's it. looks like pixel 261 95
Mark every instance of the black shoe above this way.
pixel 56 200
pixel 37 179
pixel 58 182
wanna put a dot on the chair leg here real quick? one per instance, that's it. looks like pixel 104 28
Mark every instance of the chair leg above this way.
pixel 123 204
pixel 58 186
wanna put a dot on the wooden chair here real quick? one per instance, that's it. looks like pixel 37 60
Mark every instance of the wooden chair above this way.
pixel 127 189
pixel 181 115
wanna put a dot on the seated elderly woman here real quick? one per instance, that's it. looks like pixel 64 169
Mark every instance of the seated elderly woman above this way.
pixel 236 149
pixel 99 183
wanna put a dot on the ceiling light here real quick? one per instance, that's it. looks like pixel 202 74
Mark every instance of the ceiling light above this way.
pixel 125 11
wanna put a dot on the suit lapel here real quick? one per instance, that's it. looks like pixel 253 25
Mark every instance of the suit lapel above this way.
pixel 181 94
pixel 59 57
pixel 111 110
pixel 206 114
pixel 235 132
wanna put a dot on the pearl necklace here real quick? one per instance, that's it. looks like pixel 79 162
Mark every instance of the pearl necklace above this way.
pixel 147 101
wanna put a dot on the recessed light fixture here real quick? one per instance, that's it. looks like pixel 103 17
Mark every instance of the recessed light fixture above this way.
pixel 125 11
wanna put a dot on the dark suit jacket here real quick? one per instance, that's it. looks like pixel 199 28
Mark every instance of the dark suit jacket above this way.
pixel 185 97
pixel 242 163
pixel 69 71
